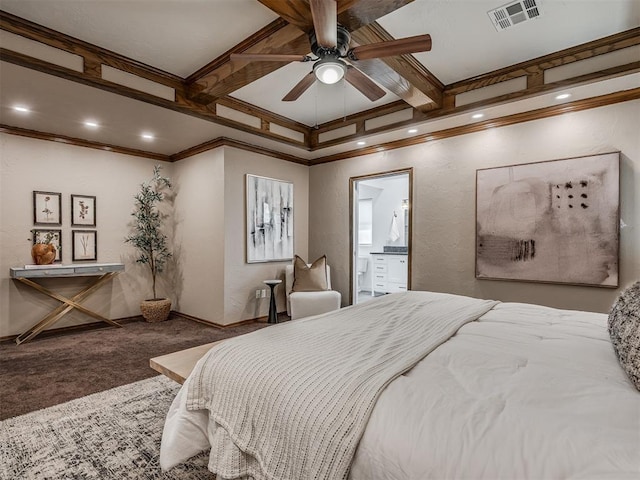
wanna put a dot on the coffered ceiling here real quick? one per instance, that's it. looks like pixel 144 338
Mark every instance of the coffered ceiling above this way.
pixel 164 67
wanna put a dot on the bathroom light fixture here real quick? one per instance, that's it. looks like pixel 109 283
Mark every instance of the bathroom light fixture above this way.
pixel 21 108
pixel 413 130
pixel 147 136
pixel 562 96
pixel 477 115
pixel 91 124
pixel 329 70
pixel 362 143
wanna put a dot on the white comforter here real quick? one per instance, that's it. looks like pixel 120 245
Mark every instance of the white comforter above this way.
pixel 525 392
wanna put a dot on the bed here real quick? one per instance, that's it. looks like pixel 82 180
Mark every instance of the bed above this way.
pixel 486 390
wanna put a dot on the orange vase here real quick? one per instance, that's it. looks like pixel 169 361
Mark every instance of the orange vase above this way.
pixel 43 253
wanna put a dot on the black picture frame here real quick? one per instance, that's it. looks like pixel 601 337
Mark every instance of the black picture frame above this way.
pixel 83 210
pixel 39 235
pixel 84 245
pixel 47 208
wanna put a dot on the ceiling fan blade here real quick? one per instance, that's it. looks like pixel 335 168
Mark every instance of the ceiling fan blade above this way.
pixel 419 43
pixel 325 22
pixel 267 57
pixel 301 87
pixel 364 84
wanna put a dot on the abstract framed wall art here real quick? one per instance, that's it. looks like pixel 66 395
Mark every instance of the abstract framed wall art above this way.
pixel 84 245
pixel 553 222
pixel 47 208
pixel 269 219
pixel 83 211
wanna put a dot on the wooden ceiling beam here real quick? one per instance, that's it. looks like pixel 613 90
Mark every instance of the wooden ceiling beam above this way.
pixel 352 14
pixel 180 104
pixel 287 35
pixel 402 75
pixel 546 112
pixel 355 14
pixel 92 55
pixel 94 58
pixel 537 66
pixel 229 76
pixel 294 12
pixel 449 109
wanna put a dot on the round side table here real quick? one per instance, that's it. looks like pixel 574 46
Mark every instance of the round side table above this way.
pixel 273 314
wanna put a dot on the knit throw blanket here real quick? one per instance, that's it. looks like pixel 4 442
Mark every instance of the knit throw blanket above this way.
pixel 291 401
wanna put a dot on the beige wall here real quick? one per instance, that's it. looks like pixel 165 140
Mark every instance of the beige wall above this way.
pixel 208 277
pixel 444 202
pixel 27 165
pixel 199 235
pixel 214 282
pixel 241 278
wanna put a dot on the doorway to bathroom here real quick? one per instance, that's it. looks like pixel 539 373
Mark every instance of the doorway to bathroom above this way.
pixel 381 206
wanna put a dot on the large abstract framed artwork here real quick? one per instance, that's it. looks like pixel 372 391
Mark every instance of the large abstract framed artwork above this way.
pixel 555 221
pixel 269 220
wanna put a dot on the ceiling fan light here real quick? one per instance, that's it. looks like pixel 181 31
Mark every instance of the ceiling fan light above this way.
pixel 329 71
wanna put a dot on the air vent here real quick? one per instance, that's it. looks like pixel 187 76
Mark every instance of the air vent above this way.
pixel 513 13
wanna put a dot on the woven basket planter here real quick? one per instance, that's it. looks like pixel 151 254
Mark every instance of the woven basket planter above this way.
pixel 155 310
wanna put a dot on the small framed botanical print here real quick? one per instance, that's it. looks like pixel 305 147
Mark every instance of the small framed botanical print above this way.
pixel 83 211
pixel 54 237
pixel 47 208
pixel 84 245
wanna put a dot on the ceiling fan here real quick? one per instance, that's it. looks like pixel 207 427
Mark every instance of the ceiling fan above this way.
pixel 334 59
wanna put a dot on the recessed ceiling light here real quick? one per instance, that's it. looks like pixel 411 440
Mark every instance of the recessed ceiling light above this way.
pixel 148 136
pixel 91 124
pixel 562 96
pixel 21 108
pixel 413 130
pixel 477 115
pixel 362 143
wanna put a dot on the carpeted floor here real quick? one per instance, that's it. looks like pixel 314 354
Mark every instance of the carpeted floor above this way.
pixel 111 435
pixel 53 369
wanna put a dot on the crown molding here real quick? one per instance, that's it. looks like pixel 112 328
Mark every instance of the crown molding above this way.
pixel 546 112
pixel 79 142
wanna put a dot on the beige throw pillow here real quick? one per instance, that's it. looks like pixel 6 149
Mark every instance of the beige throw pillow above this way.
pixel 309 279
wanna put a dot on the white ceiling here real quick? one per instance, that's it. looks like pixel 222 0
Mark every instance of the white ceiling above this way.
pixel 180 36
pixel 177 36
pixel 466 44
pixel 320 104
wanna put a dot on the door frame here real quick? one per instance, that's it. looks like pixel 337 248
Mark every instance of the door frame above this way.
pixel 352 246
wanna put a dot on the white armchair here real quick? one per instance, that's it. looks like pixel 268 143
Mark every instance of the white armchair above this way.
pixel 305 304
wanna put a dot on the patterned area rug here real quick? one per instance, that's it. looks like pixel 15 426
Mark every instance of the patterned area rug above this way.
pixel 108 435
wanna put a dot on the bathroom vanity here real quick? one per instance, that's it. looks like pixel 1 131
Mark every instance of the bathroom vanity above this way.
pixel 390 272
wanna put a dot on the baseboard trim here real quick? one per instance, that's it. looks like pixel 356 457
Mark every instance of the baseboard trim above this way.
pixel 135 318
pixel 76 328
pixel 219 325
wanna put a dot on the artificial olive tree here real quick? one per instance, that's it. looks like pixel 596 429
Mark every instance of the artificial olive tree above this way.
pixel 148 237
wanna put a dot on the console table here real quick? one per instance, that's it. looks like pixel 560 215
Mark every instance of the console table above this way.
pixel 104 272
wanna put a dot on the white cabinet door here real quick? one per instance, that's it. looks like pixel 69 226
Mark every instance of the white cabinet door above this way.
pixel 397 269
